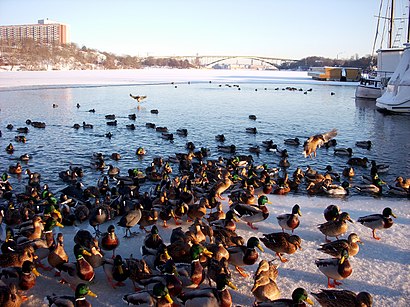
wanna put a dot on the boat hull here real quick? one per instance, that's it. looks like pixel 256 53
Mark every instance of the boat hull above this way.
pixel 367 92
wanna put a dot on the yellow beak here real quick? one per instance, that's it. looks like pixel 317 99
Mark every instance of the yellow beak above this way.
pixel 90 293
pixel 309 301
pixel 35 272
pixel 169 299
pixel 260 248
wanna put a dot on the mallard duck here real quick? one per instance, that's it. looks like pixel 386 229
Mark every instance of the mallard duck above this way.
pixel 299 298
pixel 182 132
pixel 138 98
pixel 337 227
pixel 358 161
pixel 229 222
pixel 15 169
pixel 10 148
pixel 79 271
pixel 158 296
pixel 169 277
pixel 240 256
pixel 220 138
pixel 372 188
pixel 197 210
pixel 130 219
pixel 109 240
pixel 343 298
pixel 252 214
pixel 218 296
pixel 116 269
pixel 348 172
pixel 58 256
pixel 264 286
pixel 402 182
pixel 331 212
pixel 9 296
pixel 219 214
pixel 290 221
pixel 24 277
pixel 222 185
pixel 364 144
pixel 152 242
pixel 378 221
pixel 251 130
pixel 78 300
pixel 335 189
pixel 335 268
pixel 316 141
pixel 227 148
pixel 335 248
pixel 345 152
pixel 293 142
pixel 148 218
pixel 138 269
pixel 195 271
pixel 282 243
pixel 16 259
pixel 333 174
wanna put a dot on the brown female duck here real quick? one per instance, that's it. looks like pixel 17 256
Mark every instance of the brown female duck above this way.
pixel 282 243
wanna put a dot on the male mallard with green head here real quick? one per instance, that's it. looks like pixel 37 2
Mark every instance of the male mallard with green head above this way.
pixel 335 268
pixel 378 221
pixel 240 256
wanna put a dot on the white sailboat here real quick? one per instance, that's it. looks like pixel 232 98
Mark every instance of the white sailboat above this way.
pixel 373 85
pixel 396 98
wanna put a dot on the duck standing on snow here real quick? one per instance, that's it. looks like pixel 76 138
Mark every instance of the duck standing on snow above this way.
pixel 252 214
pixel 331 213
pixel 282 243
pixel 335 248
pixel 378 221
pixel 67 301
pixel 290 221
pixel 264 286
pixel 299 298
pixel 109 240
pixel 218 296
pixel 240 256
pixel 343 298
pixel 158 296
pixel 335 268
pixel 337 227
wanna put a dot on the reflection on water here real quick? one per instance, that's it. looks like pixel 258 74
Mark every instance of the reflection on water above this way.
pixel 205 110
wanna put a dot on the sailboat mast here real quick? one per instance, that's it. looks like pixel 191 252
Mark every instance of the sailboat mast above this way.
pixel 408 25
pixel 391 24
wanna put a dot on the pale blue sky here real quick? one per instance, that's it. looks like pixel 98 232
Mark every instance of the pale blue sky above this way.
pixel 280 28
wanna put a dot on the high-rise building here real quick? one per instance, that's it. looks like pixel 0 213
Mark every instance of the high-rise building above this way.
pixel 45 32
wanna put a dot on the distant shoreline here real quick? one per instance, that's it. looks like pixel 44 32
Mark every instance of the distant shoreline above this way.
pixel 28 80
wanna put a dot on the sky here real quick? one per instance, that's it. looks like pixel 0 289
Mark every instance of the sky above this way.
pixel 290 29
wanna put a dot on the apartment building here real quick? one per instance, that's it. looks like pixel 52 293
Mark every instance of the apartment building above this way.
pixel 45 32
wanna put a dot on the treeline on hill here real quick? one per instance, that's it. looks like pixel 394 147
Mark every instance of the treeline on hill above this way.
pixel 29 55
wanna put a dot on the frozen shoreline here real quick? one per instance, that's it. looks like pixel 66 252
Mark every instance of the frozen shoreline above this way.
pixel 32 79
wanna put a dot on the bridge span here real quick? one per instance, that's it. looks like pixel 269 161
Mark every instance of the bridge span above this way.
pixel 210 60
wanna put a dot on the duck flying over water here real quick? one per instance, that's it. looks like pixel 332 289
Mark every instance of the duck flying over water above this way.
pixel 316 141
pixel 138 98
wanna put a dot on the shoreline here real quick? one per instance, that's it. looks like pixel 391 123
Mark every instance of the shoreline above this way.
pixel 21 80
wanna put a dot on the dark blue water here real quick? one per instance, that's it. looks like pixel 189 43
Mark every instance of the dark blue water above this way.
pixel 205 109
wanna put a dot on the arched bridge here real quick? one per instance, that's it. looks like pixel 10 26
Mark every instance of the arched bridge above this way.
pixel 210 60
